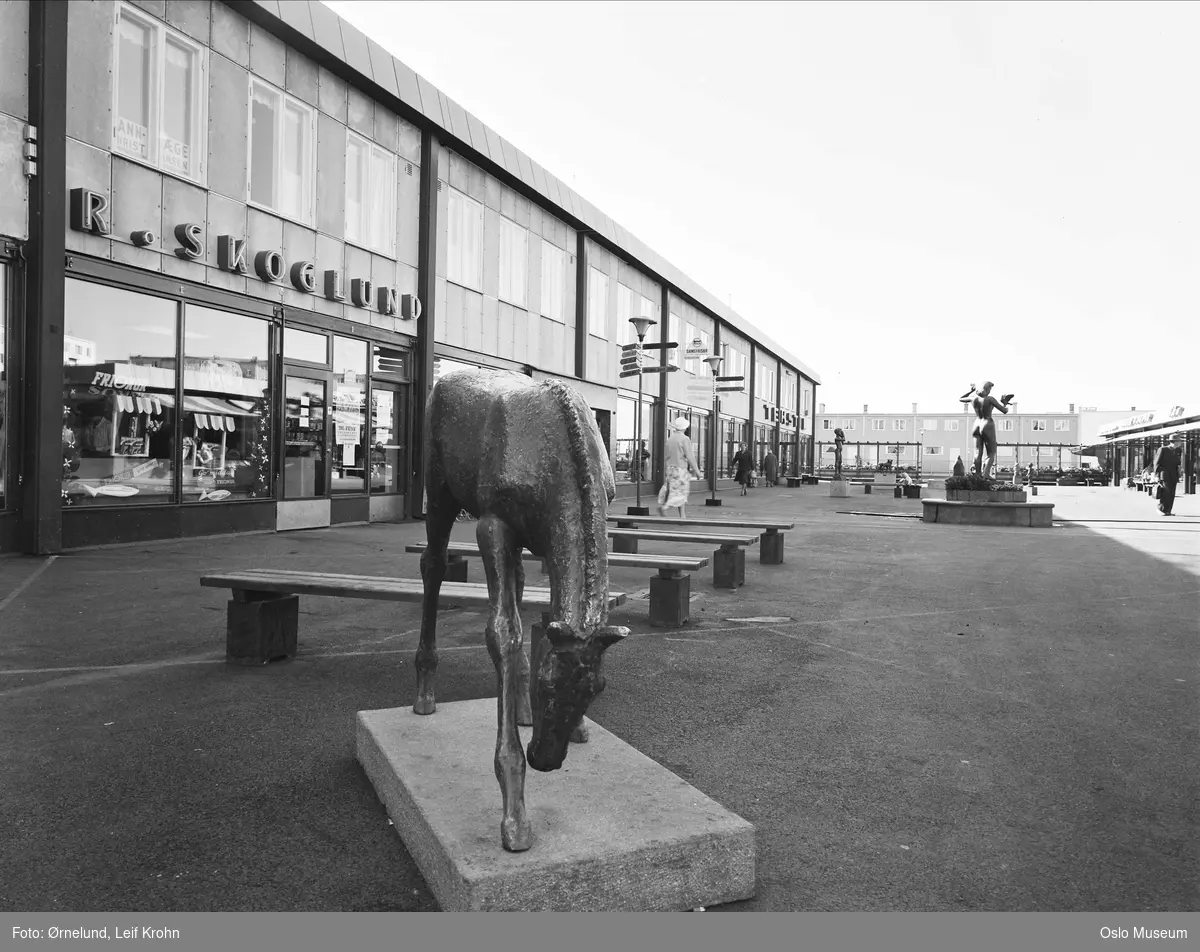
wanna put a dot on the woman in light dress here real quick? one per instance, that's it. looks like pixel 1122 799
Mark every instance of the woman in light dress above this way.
pixel 680 462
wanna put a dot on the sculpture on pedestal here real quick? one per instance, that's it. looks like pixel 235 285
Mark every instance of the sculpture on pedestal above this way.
pixel 838 439
pixel 528 461
pixel 984 431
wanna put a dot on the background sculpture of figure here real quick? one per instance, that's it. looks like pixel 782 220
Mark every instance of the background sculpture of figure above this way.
pixel 527 459
pixel 959 468
pixel 838 439
pixel 984 430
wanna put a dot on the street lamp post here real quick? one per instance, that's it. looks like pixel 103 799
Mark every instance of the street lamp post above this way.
pixel 641 325
pixel 714 366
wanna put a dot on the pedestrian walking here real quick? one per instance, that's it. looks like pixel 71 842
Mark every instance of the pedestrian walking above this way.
pixel 680 461
pixel 771 468
pixel 743 463
pixel 1166 470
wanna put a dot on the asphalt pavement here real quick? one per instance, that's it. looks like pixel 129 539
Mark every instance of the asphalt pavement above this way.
pixel 914 717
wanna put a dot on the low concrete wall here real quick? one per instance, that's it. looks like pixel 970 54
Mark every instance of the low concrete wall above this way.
pixel 1035 515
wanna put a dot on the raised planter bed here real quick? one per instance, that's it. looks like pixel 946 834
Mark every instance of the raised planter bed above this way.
pixel 983 495
pixel 1035 515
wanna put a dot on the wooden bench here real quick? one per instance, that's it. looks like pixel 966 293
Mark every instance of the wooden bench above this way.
pixel 729 561
pixel 770 546
pixel 264 613
pixel 670 589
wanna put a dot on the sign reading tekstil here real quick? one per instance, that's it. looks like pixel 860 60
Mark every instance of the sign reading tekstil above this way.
pixel 89 215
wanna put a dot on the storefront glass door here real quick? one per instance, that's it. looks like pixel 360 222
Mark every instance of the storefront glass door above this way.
pixel 305 437
pixel 388 459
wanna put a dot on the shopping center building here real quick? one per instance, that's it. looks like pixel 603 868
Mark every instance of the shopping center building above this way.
pixel 239 242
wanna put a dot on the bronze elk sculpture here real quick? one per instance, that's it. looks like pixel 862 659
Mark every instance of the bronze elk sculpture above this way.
pixel 528 461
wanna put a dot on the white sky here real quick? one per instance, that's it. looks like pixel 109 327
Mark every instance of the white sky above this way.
pixel 912 197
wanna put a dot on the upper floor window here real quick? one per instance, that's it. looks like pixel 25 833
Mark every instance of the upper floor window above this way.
pixel 899 424
pixel 826 424
pixel 464 240
pixel 159 92
pixel 849 424
pixel 1039 424
pixel 1062 425
pixel 370 195
pixel 597 303
pixel 673 338
pixel 514 257
pixel 951 424
pixel 282 143
pixel 878 424
pixel 929 424
pixel 1006 424
pixel 554 282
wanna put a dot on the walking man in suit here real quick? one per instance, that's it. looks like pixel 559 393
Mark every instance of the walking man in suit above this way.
pixel 1166 468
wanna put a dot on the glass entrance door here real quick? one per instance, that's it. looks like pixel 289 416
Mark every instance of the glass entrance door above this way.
pixel 389 462
pixel 305 467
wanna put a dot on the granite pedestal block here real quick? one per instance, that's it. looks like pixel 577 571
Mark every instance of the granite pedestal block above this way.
pixel 622 544
pixel 839 488
pixel 612 829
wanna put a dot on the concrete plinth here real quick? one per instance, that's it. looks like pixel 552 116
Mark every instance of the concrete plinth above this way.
pixel 729 567
pixel 770 548
pixel 613 830
pixel 670 599
pixel 622 544
pixel 839 488
pixel 262 628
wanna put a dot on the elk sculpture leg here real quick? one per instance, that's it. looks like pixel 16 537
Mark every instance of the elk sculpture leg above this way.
pixel 524 698
pixel 441 511
pixel 501 551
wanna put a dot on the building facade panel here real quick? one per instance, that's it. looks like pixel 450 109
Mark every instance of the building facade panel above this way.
pixel 14 59
pixel 254 208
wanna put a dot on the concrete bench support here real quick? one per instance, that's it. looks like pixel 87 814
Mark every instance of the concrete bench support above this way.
pixel 261 627
pixel 770 548
pixel 670 599
pixel 622 544
pixel 729 567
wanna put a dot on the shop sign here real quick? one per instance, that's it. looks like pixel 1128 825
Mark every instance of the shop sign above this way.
pixel 1142 419
pixel 89 214
pixel 696 350
pixel 117 382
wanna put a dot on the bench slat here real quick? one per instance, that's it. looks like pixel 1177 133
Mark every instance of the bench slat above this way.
pixel 624 559
pixel 711 523
pixel 371 587
pixel 662 536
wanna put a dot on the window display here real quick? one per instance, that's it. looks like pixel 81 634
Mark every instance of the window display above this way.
pixel 226 406
pixel 118 434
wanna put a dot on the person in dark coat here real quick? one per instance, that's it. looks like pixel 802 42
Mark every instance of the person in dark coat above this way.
pixel 744 465
pixel 1166 469
pixel 770 468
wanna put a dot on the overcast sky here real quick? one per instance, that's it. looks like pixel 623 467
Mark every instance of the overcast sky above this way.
pixel 911 197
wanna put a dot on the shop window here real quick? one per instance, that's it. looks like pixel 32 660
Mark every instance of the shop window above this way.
pixel 929 424
pixel 597 304
pixel 5 426
pixel 118 427
pixel 301 345
pixel 226 414
pixel 933 451
pixel 554 282
pixel 349 415
pixel 370 195
pixel 464 241
pixel 899 424
pixel 159 95
pixel 627 452
pixel 514 262
pixel 282 142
